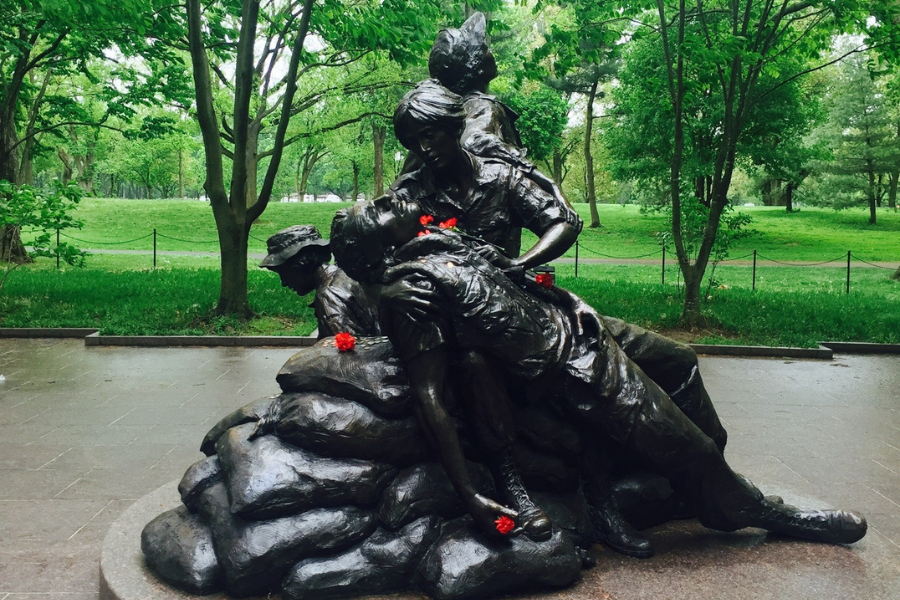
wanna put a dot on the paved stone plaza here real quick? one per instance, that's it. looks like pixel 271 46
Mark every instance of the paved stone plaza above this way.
pixel 84 432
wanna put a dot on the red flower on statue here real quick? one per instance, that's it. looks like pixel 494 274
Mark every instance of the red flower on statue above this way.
pixel 421 233
pixel 448 224
pixel 504 524
pixel 344 341
pixel 544 280
pixel 426 220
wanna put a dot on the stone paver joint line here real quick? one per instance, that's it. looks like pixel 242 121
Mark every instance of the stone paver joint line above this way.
pixel 791 470
pixel 122 417
pixel 71 484
pixel 885 497
pixel 886 467
pixel 153 466
pixel 77 531
pixel 52 460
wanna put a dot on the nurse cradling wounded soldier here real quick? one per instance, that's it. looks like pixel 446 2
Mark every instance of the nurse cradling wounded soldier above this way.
pixel 526 337
pixel 485 426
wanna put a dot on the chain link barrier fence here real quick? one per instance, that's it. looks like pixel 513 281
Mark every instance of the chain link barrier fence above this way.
pixel 579 248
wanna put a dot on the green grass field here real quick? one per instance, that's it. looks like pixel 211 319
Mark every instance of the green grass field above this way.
pixel 123 294
pixel 811 234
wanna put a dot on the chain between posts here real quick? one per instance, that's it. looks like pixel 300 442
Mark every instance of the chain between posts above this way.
pixel 755 254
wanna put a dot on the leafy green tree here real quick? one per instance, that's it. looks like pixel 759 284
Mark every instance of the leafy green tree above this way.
pixel 259 94
pixel 778 144
pixel 864 132
pixel 53 39
pixel 578 54
pixel 708 67
pixel 23 208
pixel 543 115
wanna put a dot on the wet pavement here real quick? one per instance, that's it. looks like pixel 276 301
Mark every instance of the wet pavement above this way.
pixel 84 432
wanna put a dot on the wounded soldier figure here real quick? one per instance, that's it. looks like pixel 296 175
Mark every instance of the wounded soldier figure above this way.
pixel 548 342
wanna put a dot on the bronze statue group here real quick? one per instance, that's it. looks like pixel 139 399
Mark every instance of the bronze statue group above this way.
pixel 434 266
pixel 458 300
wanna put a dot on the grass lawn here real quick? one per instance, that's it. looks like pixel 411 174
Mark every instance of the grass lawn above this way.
pixel 790 307
pixel 808 235
pixel 183 224
pixel 119 299
pixel 122 294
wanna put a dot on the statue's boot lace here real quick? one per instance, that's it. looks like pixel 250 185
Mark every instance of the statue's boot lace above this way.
pixel 534 522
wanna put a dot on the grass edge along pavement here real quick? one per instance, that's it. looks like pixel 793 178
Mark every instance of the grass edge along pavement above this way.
pixel 92 337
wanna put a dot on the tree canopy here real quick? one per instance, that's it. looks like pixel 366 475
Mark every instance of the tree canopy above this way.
pixel 244 102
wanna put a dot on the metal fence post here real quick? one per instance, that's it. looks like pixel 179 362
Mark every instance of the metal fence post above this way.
pixel 576 259
pixel 754 270
pixel 664 266
pixel 154 247
pixel 848 271
pixel 57 247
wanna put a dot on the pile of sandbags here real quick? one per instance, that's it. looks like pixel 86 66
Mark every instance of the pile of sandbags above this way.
pixel 330 490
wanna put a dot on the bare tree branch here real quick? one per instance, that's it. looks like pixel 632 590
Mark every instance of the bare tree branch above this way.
pixel 265 193
pixel 339 125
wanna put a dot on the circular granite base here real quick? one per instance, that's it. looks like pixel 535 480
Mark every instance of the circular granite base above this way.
pixel 123 573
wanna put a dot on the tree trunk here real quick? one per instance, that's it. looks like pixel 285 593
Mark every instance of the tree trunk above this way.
pixel 180 173
pixel 379 133
pixel 233 292
pixel 703 189
pixel 879 190
pixel 355 193
pixel 558 162
pixel 870 195
pixel 85 168
pixel 892 188
pixel 11 246
pixel 66 161
pixel 589 158
pixel 789 197
pixel 26 165
pixel 772 192
pixel 691 315
pixel 304 175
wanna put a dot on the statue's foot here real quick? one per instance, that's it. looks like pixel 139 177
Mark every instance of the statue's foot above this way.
pixel 829 526
pixel 617 533
pixel 534 522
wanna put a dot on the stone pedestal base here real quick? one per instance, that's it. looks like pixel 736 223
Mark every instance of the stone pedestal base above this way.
pixel 123 574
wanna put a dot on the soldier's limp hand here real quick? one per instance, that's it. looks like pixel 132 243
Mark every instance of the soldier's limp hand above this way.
pixel 415 300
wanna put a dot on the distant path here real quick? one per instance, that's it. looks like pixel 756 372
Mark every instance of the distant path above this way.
pixel 564 261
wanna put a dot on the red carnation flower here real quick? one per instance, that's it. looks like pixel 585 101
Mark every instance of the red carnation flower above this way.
pixel 448 224
pixel 426 220
pixel 504 524
pixel 421 233
pixel 344 341
pixel 544 280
